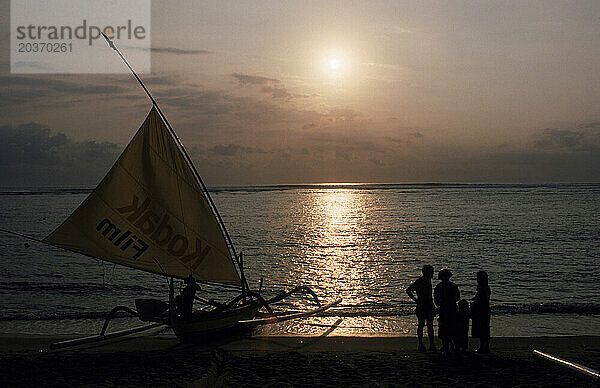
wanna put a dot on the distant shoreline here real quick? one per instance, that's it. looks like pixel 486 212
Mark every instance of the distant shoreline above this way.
pixel 24 190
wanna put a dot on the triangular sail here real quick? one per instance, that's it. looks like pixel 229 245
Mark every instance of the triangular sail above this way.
pixel 150 213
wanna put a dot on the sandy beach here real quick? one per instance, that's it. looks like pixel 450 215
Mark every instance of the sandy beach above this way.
pixel 159 360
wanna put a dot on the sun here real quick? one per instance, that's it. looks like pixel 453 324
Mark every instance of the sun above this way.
pixel 335 64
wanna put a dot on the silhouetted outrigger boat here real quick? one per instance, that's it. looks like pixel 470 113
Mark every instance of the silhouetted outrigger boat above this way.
pixel 152 212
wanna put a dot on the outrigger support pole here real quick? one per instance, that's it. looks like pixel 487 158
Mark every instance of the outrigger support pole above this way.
pixel 186 155
pixel 99 338
pixel 297 290
pixel 112 314
pixel 103 336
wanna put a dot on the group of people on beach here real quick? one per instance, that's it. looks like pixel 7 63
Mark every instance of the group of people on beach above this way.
pixel 454 313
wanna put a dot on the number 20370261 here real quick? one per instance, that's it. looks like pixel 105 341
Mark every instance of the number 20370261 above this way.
pixel 45 47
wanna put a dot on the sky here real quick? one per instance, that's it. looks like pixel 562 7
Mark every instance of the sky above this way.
pixel 272 92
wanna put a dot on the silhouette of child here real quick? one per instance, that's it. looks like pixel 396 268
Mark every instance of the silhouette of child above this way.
pixel 461 338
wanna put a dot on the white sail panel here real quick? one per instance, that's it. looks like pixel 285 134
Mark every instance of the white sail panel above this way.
pixel 150 213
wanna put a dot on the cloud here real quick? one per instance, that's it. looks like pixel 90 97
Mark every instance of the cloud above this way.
pixel 29 143
pixel 33 143
pixel 177 51
pixel 51 92
pixel 228 113
pixel 233 150
pixel 396 29
pixel 406 140
pixel 388 73
pixel 277 92
pixel 585 137
pixel 376 162
pixel 270 86
pixel 342 114
pixel 30 155
pixel 342 154
pixel 398 140
pixel 385 66
pixel 58 85
pixel 593 125
pixel 559 138
pixel 160 80
pixel 173 50
pixel 355 145
pixel 30 66
pixel 246 79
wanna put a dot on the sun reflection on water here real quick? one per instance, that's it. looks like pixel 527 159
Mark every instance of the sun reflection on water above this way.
pixel 333 239
pixel 337 224
pixel 337 246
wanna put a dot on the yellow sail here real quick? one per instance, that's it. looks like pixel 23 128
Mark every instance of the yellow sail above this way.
pixel 150 213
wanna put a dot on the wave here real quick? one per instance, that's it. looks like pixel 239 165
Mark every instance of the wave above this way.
pixel 60 316
pixel 45 191
pixel 549 308
pixel 405 308
pixel 365 310
pixel 73 288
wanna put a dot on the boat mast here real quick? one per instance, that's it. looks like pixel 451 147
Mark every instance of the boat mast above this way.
pixel 189 162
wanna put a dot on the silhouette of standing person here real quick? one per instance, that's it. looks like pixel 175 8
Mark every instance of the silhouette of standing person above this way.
pixel 480 313
pixel 425 308
pixel 445 295
pixel 187 296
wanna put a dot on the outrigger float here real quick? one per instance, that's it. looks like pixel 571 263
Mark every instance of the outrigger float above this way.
pixel 152 212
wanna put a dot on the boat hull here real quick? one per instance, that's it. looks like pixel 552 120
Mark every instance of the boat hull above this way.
pixel 204 326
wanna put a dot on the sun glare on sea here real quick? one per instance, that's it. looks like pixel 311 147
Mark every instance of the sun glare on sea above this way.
pixel 338 222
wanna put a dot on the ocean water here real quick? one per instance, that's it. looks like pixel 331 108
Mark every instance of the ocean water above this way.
pixel 540 245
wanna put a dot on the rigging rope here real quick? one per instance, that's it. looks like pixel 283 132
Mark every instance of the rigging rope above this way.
pixel 22 235
pixel 12 232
